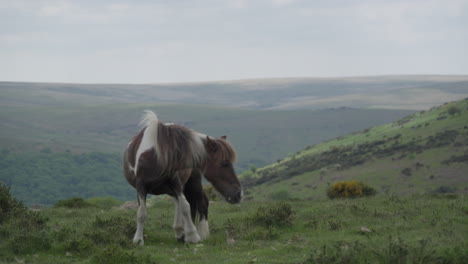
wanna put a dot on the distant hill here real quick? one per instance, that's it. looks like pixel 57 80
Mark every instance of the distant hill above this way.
pixel 415 92
pixel 260 137
pixel 58 140
pixel 426 152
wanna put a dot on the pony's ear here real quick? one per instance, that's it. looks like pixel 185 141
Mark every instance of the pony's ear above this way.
pixel 211 145
pixel 223 137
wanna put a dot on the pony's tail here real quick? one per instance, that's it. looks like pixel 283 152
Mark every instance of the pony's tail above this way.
pixel 150 121
pixel 149 118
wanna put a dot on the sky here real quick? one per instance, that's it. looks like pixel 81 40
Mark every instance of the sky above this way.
pixel 167 41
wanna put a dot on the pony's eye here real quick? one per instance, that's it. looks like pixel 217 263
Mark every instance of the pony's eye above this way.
pixel 225 164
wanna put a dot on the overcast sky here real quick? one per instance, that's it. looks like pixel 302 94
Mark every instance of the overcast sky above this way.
pixel 110 41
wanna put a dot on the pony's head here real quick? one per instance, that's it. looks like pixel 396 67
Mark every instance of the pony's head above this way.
pixel 219 170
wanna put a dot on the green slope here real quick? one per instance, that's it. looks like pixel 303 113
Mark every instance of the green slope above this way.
pixel 260 137
pixel 44 147
pixel 424 152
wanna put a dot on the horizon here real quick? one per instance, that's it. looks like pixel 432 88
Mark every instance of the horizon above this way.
pixel 299 78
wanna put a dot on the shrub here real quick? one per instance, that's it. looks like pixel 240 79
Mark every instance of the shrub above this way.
pixel 279 214
pixel 444 190
pixel 407 172
pixel 74 202
pixel 7 203
pixel 29 243
pixel 453 110
pixel 114 230
pixel 24 231
pixel 16 211
pixel 350 189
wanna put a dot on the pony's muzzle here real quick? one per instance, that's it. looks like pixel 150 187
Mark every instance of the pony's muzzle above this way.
pixel 236 198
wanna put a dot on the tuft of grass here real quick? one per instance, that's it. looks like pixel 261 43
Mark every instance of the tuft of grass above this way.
pixel 103 202
pixel 280 195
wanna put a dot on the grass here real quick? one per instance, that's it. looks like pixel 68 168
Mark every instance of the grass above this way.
pixel 411 155
pixel 412 229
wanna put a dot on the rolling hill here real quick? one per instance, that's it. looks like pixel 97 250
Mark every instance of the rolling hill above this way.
pixel 416 92
pixel 51 153
pixel 260 137
pixel 426 152
pixel 54 136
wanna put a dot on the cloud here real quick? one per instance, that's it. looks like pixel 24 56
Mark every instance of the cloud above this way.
pixel 210 39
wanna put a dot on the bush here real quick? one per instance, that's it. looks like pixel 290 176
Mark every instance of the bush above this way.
pixel 350 189
pixel 8 205
pixel 114 230
pixel 29 242
pixel 453 110
pixel 24 231
pixel 279 214
pixel 74 202
pixel 16 211
pixel 444 190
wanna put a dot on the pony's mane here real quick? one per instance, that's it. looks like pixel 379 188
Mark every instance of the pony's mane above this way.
pixel 178 147
pixel 225 151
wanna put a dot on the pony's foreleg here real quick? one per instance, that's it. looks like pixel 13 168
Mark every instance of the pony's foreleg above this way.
pixel 178 222
pixel 190 231
pixel 141 217
pixel 203 229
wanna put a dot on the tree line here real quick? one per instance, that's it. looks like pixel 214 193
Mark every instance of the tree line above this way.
pixel 45 177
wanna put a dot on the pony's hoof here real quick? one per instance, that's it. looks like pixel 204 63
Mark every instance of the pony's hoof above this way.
pixel 138 241
pixel 203 230
pixel 181 239
pixel 192 238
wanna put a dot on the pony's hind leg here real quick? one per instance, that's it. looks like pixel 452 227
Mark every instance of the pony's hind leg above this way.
pixel 178 222
pixel 141 217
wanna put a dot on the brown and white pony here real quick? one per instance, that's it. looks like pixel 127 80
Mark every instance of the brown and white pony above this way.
pixel 171 159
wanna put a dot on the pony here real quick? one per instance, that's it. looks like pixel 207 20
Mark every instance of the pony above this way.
pixel 166 158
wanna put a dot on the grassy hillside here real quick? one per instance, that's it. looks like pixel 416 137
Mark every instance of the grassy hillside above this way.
pixel 260 137
pixel 396 92
pixel 51 153
pixel 384 229
pixel 422 153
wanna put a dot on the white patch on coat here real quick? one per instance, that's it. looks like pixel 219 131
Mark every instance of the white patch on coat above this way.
pixel 141 217
pixel 178 221
pixel 191 234
pixel 150 136
pixel 198 148
pixel 203 229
